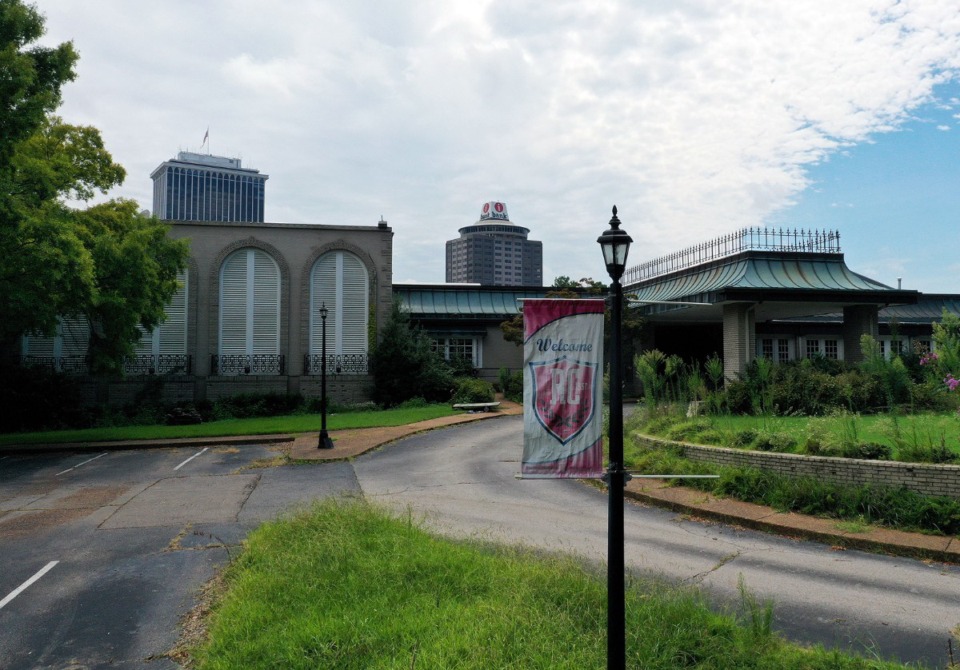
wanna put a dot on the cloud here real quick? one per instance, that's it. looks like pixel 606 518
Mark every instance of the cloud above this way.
pixel 694 117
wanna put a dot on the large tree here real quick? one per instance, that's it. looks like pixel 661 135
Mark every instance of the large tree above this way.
pixel 105 262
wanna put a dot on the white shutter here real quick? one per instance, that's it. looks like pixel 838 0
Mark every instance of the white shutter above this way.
pixel 323 291
pixel 173 331
pixel 144 346
pixel 233 304
pixel 266 305
pixel 353 307
pixel 75 333
pixel 37 345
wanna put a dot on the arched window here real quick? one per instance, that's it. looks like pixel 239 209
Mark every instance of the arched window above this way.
pixel 249 313
pixel 339 280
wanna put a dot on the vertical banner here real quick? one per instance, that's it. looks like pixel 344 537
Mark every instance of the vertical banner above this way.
pixel 562 388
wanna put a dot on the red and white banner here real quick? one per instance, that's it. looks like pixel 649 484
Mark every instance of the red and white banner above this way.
pixel 562 388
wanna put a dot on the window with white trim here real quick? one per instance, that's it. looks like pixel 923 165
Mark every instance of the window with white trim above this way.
pixel 458 347
pixel 775 348
pixel 339 280
pixel 249 304
pixel 828 347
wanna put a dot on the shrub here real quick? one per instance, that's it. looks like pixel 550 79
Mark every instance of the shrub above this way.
pixel 470 390
pixel 403 364
pixel 511 383
pixel 873 451
pixel 246 405
pixel 742 438
pixel 36 398
pixel 781 442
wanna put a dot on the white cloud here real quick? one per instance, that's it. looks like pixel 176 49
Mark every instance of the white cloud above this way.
pixel 694 117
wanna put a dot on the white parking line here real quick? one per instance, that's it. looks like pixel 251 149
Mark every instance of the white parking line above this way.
pixel 79 464
pixel 20 589
pixel 191 458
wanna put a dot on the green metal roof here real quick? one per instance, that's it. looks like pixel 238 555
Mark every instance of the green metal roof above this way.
pixel 463 302
pixel 781 276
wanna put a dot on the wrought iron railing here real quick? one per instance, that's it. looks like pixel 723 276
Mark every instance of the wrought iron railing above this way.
pixel 162 364
pixel 747 239
pixel 239 364
pixel 71 365
pixel 337 364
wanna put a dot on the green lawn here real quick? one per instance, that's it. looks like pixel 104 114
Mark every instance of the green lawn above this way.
pixel 296 423
pixel 348 586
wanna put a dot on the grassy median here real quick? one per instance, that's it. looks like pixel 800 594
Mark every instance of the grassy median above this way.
pixel 346 586
pixel 289 424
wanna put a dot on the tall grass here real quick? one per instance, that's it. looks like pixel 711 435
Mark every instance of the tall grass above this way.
pixel 348 586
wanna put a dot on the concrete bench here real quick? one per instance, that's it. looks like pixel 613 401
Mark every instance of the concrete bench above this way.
pixel 477 406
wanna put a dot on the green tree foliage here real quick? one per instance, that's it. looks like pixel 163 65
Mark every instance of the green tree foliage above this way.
pixel 105 262
pixel 404 366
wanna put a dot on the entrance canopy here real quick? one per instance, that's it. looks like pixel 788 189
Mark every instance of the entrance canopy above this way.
pixel 756 276
pixel 783 274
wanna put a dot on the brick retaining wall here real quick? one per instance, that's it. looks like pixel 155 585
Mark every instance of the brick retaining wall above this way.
pixel 925 478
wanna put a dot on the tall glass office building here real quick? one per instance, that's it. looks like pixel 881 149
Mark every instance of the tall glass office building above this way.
pixel 201 187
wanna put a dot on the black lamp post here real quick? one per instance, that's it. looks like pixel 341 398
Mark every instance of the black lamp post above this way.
pixel 325 441
pixel 615 244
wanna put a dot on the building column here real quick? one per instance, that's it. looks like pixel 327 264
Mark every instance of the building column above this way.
pixel 739 339
pixel 858 320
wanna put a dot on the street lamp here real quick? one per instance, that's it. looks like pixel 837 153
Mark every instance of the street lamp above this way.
pixel 615 244
pixel 325 441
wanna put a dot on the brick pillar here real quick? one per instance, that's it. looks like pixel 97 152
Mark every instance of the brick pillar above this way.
pixel 858 320
pixel 739 339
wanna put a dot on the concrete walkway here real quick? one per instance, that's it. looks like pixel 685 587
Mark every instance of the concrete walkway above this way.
pixel 348 444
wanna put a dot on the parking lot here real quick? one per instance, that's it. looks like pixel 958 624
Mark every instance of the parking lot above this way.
pixel 103 552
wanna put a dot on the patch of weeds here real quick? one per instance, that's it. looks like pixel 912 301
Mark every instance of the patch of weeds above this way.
pixel 855 526
pixel 271 462
pixel 686 430
pixel 743 438
pixel 757 616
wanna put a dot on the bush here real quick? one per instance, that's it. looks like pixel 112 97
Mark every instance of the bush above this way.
pixel 247 405
pixel 511 383
pixel 780 442
pixel 404 366
pixel 36 398
pixel 873 451
pixel 469 390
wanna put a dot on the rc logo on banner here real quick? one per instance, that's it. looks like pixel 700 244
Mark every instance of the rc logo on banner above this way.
pixel 562 393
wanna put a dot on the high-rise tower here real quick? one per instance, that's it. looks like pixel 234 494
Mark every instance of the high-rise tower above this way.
pixel 495 252
pixel 201 187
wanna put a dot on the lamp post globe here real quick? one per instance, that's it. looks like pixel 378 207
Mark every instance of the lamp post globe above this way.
pixel 324 442
pixel 615 244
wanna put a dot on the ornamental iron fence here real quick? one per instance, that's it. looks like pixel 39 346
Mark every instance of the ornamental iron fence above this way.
pixel 337 364
pixel 70 365
pixel 161 364
pixel 747 239
pixel 241 364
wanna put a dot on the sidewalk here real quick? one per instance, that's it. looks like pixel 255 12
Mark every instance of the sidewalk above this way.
pixel 697 504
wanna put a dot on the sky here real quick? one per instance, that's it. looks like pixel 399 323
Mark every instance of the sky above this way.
pixel 695 117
